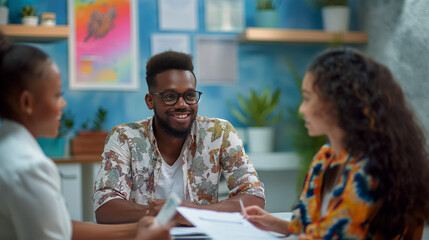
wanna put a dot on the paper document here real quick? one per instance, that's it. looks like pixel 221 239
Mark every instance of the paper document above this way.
pixel 168 210
pixel 216 58
pixel 178 15
pixel 224 225
pixel 164 42
pixel 188 233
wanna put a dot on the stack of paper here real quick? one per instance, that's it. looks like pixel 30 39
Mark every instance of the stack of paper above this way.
pixel 188 233
pixel 224 225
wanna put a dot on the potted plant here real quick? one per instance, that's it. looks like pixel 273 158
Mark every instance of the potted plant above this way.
pixel 335 14
pixel 55 147
pixel 29 16
pixel 258 113
pixel 267 15
pixel 4 12
pixel 91 138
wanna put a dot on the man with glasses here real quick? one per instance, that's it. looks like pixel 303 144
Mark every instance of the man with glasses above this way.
pixel 175 151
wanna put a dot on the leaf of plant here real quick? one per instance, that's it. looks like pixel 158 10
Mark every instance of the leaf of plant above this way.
pixel 240 117
pixel 243 104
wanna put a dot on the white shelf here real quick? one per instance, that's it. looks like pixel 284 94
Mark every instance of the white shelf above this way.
pixel 275 161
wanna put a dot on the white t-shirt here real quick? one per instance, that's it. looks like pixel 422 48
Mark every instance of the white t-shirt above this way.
pixel 31 204
pixel 325 203
pixel 170 180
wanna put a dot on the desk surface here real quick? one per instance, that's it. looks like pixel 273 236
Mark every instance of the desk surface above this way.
pixel 78 159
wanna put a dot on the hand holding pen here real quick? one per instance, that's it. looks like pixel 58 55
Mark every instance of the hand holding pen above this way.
pixel 265 221
pixel 243 210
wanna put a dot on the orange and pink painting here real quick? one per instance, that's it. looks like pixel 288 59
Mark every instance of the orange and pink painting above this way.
pixel 102 44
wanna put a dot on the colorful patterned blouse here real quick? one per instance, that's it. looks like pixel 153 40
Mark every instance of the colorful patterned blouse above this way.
pixel 132 163
pixel 348 209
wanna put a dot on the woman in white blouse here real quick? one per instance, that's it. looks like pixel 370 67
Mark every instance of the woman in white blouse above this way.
pixel 31 204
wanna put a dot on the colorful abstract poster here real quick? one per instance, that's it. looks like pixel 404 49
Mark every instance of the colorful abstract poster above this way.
pixel 103 45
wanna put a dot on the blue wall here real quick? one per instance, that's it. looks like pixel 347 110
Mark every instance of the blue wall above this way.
pixel 260 65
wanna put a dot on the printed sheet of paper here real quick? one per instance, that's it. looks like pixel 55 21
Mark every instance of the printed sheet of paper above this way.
pixel 178 15
pixel 216 59
pixel 188 233
pixel 175 42
pixel 224 15
pixel 224 225
pixel 168 210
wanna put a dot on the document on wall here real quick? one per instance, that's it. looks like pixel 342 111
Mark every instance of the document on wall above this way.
pixel 175 42
pixel 178 15
pixel 223 225
pixel 216 59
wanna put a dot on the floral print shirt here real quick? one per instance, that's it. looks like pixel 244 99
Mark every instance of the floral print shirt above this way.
pixel 132 162
pixel 350 206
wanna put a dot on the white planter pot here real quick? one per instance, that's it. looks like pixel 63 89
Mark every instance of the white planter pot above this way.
pixel 4 15
pixel 30 20
pixel 260 139
pixel 336 18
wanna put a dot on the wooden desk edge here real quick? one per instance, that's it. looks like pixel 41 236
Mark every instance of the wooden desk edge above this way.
pixel 78 159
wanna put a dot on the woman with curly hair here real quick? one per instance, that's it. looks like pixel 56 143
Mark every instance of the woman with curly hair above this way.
pixel 371 179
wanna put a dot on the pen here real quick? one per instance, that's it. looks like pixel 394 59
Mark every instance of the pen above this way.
pixel 242 208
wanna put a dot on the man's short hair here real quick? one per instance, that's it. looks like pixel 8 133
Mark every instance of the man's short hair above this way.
pixel 166 61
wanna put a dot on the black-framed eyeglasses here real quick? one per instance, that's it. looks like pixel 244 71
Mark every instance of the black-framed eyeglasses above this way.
pixel 170 97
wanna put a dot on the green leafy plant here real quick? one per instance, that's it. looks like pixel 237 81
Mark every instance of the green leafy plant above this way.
pixel 100 119
pixel 97 122
pixel 28 11
pixel 305 146
pixel 67 123
pixel 267 4
pixel 3 3
pixel 326 3
pixel 257 110
pixel 85 125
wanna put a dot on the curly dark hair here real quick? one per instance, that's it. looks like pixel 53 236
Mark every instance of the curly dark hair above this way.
pixel 371 108
pixel 20 65
pixel 166 61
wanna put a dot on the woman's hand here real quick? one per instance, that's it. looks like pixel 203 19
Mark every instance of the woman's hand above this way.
pixel 265 221
pixel 304 236
pixel 145 222
pixel 147 231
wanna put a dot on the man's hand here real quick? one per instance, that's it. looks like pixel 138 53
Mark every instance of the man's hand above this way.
pixel 155 206
pixel 188 204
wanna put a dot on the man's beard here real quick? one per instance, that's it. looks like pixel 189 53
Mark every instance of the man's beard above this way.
pixel 171 131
